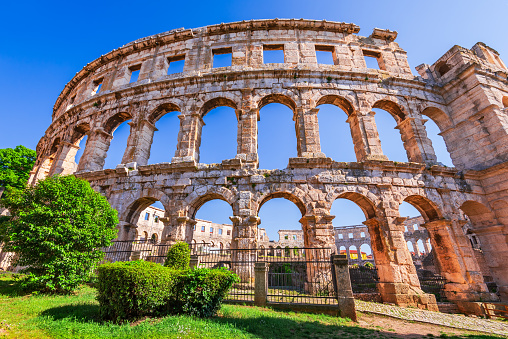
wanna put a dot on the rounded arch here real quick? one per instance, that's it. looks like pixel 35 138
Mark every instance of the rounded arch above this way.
pixel 161 110
pixel 196 204
pixel 54 146
pixel 285 195
pixel 116 120
pixel 478 213
pixel 336 100
pixel 442 68
pixel 277 98
pixel 365 204
pixel 391 107
pixel 426 207
pixel 437 115
pixel 79 132
pixel 146 198
pixel 216 102
pixel 155 238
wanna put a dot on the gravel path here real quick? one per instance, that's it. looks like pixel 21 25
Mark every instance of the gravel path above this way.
pixel 437 318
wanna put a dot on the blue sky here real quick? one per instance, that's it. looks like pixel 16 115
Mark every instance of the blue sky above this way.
pixel 45 43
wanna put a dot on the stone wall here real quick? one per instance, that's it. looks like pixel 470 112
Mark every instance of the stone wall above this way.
pixel 465 92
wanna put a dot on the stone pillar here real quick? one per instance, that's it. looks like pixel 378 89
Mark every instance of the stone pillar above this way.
pixel 64 163
pixel 345 297
pixel 96 150
pixel 494 244
pixel 307 130
pixel 247 136
pixel 243 246
pixel 318 231
pixel 418 146
pixel 189 138
pixel 183 230
pixel 427 247
pixel 457 263
pixel 261 283
pixel 398 281
pixel 139 143
pixel 365 137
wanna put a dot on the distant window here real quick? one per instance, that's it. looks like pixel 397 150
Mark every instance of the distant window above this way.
pixel 442 68
pixel 220 231
pixel 97 84
pixel 341 236
pixel 362 235
pixel 325 54
pixel 415 226
pixel 211 229
pixel 405 228
pixel 350 235
pixel 286 236
pixel 72 99
pixel 156 218
pixel 229 232
pixel 222 57
pixel 202 228
pixel 294 237
pixel 176 64
pixel 134 73
pixel 194 227
pixel 147 216
pixel 273 54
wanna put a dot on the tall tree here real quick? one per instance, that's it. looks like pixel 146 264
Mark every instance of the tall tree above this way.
pixel 57 229
pixel 15 166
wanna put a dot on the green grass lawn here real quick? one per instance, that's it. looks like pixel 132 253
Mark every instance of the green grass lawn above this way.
pixel 75 316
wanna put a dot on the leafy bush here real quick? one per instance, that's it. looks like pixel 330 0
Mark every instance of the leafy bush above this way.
pixel 57 229
pixel 369 265
pixel 200 291
pixel 178 256
pixel 129 290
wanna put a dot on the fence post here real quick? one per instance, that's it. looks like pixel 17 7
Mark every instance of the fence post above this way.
pixel 260 283
pixel 344 291
pixel 194 261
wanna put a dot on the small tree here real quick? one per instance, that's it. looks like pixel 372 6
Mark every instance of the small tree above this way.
pixel 178 256
pixel 57 229
pixel 15 166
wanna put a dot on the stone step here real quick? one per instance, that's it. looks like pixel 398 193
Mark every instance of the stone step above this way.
pixel 450 308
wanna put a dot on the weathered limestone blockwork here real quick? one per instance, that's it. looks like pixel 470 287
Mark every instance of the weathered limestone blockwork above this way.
pixel 462 92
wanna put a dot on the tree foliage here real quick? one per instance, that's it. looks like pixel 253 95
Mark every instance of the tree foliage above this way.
pixel 57 229
pixel 178 256
pixel 15 166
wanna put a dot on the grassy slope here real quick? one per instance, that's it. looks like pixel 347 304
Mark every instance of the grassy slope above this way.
pixel 39 316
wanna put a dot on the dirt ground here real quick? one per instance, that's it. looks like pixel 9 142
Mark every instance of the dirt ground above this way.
pixel 408 329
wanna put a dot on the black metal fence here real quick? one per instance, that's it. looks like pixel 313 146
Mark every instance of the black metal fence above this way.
pixel 363 279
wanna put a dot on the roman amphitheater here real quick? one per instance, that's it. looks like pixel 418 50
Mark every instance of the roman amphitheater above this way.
pixel 465 92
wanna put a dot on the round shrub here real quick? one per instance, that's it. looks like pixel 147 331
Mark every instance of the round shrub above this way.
pixel 178 256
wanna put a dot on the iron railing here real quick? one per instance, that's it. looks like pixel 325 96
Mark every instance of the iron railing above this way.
pixel 363 279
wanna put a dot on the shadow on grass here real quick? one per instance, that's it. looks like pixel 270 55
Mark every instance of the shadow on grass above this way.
pixel 11 287
pixel 83 313
pixel 278 328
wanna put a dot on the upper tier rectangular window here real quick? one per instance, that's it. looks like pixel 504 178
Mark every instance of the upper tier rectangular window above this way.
pixel 222 57
pixel 134 73
pixel 96 87
pixel 325 54
pixel 273 54
pixel 373 59
pixel 176 64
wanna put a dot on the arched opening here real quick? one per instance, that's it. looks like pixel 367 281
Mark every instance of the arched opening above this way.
pixel 276 132
pixel 353 252
pixel 442 68
pixel 334 131
pixel 148 225
pixel 479 214
pixel 438 121
pixel 421 248
pixel 47 163
pixel 411 248
pixel 388 116
pixel 366 253
pixel 118 126
pixel 219 133
pixel 165 138
pixel 211 216
pixel 342 249
pixel 79 139
pixel 281 212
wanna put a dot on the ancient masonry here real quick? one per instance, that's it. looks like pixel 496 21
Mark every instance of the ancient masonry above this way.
pixel 465 93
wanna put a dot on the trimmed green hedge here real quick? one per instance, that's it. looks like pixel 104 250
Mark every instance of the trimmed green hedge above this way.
pixel 178 256
pixel 130 290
